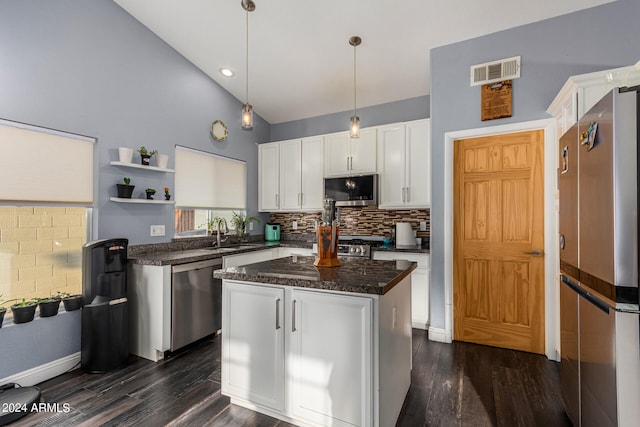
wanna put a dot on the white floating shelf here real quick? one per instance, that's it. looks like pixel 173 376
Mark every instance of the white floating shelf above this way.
pixel 137 166
pixel 144 201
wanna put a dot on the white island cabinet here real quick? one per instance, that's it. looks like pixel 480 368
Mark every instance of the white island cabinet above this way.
pixel 317 357
pixel 419 284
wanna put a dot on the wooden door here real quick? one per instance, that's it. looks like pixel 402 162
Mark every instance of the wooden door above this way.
pixel 498 241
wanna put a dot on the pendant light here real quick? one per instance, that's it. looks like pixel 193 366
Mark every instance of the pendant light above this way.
pixel 247 109
pixel 354 129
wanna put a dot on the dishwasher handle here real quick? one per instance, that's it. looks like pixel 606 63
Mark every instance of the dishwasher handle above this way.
pixel 216 263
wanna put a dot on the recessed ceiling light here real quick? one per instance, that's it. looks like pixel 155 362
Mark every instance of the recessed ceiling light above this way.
pixel 227 72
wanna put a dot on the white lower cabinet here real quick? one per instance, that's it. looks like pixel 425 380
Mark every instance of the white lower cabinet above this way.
pixel 419 284
pixel 253 344
pixel 329 366
pixel 314 357
pixel 249 257
pixel 286 252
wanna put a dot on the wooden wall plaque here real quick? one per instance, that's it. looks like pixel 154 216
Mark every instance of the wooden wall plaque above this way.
pixel 496 100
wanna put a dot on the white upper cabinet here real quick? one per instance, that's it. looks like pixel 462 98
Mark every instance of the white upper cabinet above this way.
pixel 268 177
pixel 311 173
pixel 290 171
pixel 404 165
pixel 291 175
pixel 581 92
pixel 301 180
pixel 345 156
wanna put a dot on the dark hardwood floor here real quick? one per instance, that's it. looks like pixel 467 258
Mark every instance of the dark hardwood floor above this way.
pixel 455 384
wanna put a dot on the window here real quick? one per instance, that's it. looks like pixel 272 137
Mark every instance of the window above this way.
pixel 200 222
pixel 207 187
pixel 41 245
pixel 41 250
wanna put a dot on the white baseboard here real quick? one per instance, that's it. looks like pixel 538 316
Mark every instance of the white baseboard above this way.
pixel 438 335
pixel 43 372
pixel 420 325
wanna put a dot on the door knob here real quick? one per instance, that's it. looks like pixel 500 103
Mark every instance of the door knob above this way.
pixel 534 252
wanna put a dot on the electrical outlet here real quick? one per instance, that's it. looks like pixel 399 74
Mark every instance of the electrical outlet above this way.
pixel 423 225
pixel 251 226
pixel 157 230
pixel 294 225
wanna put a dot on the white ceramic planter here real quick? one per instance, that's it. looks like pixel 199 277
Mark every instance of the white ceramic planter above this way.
pixel 162 160
pixel 125 154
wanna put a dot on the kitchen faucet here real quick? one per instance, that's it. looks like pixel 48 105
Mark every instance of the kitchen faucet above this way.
pixel 226 231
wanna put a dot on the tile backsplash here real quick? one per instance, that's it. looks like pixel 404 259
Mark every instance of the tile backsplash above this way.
pixel 366 221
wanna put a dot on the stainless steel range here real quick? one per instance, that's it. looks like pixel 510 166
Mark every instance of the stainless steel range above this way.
pixel 349 246
pixel 355 248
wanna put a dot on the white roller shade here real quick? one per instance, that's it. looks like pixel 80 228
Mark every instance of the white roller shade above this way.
pixel 208 181
pixel 41 165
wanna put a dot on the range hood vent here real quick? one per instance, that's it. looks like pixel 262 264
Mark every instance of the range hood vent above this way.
pixel 495 71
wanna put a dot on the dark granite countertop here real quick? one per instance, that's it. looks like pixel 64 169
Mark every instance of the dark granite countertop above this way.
pixel 417 249
pixel 354 275
pixel 183 256
pixel 192 251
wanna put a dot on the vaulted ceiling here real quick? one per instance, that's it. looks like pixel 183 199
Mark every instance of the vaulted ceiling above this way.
pixel 300 61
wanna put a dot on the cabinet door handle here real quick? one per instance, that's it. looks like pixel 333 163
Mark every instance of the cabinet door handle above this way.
pixel 301 199
pixel 406 199
pixel 347 163
pixel 293 316
pixel 350 163
pixel 277 204
pixel 277 313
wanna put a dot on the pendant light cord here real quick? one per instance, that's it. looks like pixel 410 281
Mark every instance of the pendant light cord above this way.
pixel 247 58
pixel 354 80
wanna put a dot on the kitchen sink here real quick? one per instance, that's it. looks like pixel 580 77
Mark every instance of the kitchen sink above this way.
pixel 233 248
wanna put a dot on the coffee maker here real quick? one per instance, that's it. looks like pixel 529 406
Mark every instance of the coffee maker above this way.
pixel 105 321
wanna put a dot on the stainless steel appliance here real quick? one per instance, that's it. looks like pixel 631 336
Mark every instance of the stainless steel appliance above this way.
pixel 196 302
pixel 352 190
pixel 598 222
pixel 105 316
pixel 353 247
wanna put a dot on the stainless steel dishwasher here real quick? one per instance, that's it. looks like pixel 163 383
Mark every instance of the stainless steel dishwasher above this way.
pixel 196 302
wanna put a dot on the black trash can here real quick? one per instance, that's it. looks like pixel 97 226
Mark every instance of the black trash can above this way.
pixel 105 319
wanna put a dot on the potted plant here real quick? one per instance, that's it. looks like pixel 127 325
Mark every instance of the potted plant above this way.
pixel 71 302
pixel 167 196
pixel 125 190
pixel 145 155
pixel 240 221
pixel 49 306
pixel 150 192
pixel 3 310
pixel 24 311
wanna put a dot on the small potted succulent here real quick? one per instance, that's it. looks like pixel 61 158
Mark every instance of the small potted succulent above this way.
pixel 125 190
pixel 24 311
pixel 145 155
pixel 167 196
pixel 49 306
pixel 71 302
pixel 150 192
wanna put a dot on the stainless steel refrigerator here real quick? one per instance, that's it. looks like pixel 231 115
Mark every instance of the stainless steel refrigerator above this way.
pixel 598 222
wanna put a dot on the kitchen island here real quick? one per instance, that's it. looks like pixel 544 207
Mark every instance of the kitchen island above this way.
pixel 318 346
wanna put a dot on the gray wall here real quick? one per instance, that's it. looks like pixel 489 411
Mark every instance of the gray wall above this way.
pixel 87 67
pixel 392 112
pixel 552 50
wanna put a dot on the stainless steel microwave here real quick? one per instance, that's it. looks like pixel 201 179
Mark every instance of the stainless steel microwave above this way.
pixel 352 191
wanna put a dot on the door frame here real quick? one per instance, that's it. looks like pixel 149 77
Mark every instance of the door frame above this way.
pixel 551 265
